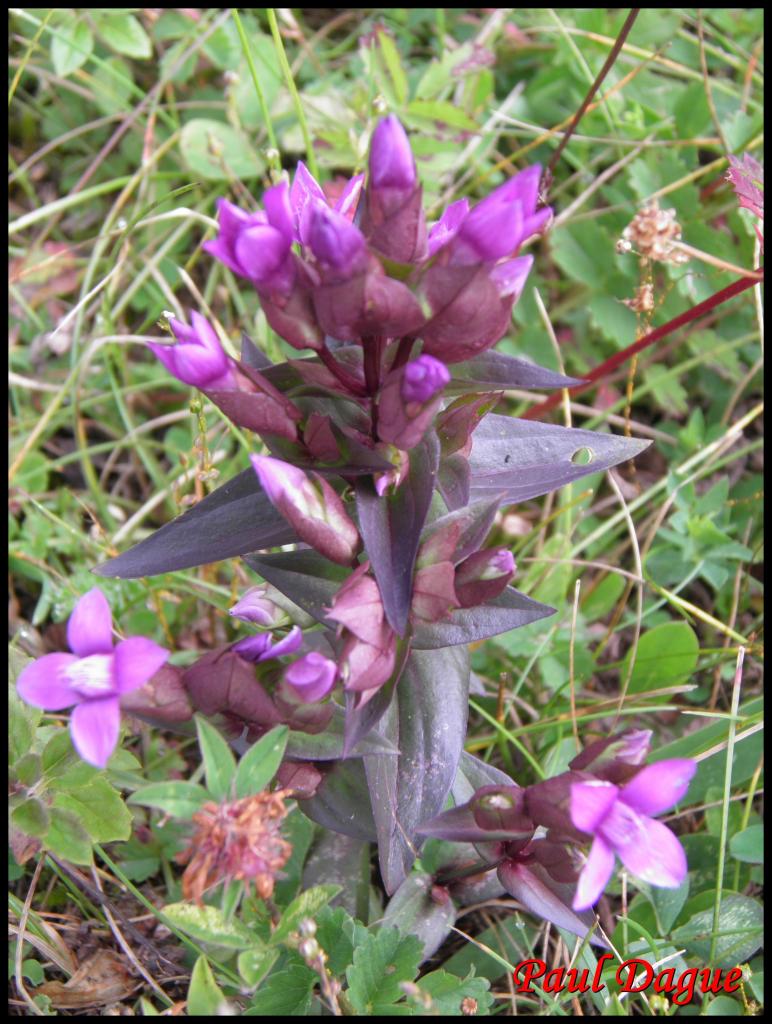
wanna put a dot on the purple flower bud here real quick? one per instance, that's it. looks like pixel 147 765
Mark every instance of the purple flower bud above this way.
pixel 391 158
pixel 447 226
pixel 262 647
pixel 483 576
pixel 198 358
pixel 336 243
pixel 255 606
pixel 615 758
pixel 510 277
pixel 306 192
pixel 491 230
pixel 500 808
pixel 312 507
pixel 423 378
pixel 311 677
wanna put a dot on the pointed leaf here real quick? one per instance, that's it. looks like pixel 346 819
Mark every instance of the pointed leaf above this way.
pixel 519 459
pixel 453 480
pixel 260 763
pixel 361 719
pixel 182 799
pixel 546 899
pixel 476 520
pixel 233 520
pixel 219 762
pixel 253 356
pixel 308 579
pixel 209 924
pixel 342 801
pixel 391 527
pixel 414 912
pixel 329 745
pixel 427 722
pixel 494 371
pixel 509 610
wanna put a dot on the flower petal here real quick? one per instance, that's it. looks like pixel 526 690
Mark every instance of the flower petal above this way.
pixel 595 875
pixel 90 628
pixel 657 787
pixel 137 660
pixel 655 855
pixel 43 684
pixel 94 726
pixel 288 644
pixel 590 803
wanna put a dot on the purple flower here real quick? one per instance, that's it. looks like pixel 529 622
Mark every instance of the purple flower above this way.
pixel 447 226
pixel 423 378
pixel 311 506
pixel 93 677
pixel 391 159
pixel 306 192
pixel 198 358
pixel 262 647
pixel 255 606
pixel 258 245
pixel 311 677
pixel 510 276
pixel 620 821
pixel 336 243
pixel 483 576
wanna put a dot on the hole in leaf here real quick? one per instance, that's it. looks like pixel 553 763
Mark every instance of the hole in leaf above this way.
pixel 582 456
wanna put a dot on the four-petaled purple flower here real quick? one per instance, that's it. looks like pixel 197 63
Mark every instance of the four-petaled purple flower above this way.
pixel 93 677
pixel 620 821
pixel 198 358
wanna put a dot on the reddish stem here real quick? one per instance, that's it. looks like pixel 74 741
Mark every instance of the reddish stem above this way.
pixel 404 349
pixel 611 364
pixel 348 380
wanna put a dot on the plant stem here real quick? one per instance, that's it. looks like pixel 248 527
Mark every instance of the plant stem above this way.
pixel 346 379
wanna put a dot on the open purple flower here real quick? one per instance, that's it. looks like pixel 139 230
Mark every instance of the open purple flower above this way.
pixel 620 821
pixel 306 192
pixel 311 677
pixel 262 647
pixel 92 678
pixel 198 358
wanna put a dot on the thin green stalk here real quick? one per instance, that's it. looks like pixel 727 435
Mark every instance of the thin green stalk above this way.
pixel 273 156
pixel 277 40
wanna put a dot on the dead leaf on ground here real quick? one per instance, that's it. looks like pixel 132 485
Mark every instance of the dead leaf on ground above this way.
pixel 103 978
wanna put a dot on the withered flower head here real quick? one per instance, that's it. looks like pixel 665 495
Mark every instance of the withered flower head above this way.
pixel 653 232
pixel 236 841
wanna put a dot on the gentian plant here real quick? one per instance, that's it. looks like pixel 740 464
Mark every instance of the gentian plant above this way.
pixel 386 467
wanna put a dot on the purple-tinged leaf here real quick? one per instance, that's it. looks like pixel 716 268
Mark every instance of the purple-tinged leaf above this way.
pixel 420 908
pixel 546 899
pixel 427 722
pixel 494 371
pixel 509 610
pixel 253 356
pixel 453 480
pixel 308 579
pixel 473 774
pixel 234 519
pixel 258 412
pixel 362 718
pixel 519 459
pixel 458 825
pixel 342 801
pixel 329 745
pixel 476 520
pixel 391 528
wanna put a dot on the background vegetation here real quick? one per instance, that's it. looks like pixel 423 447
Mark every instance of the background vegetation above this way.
pixel 125 126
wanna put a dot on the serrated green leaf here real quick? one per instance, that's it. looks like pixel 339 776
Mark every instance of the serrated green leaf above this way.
pixel 259 765
pixel 333 935
pixel 217 152
pixel 67 837
pixel 285 993
pixel 219 762
pixel 254 964
pixel 72 44
pixel 31 817
pixel 381 963
pixel 125 34
pixel 182 799
pixel 28 769
pixel 304 905
pixel 205 998
pixel 447 993
pixel 100 808
pixel 208 924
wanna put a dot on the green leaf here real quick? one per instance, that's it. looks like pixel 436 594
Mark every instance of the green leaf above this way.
pixel 219 762
pixel 667 656
pixel 748 845
pixel 601 599
pixel 112 85
pixel 304 905
pixel 31 817
pixel 285 993
pixel 217 152
pixel 391 59
pixel 447 992
pixel 28 769
pixel 254 964
pixel 72 45
pixel 667 903
pixel 739 934
pixel 67 837
pixel 125 34
pixel 182 799
pixel 223 47
pixel 259 765
pixel 442 111
pixel 724 1006
pixel 381 962
pixel 333 933
pixel 208 924
pixel 205 998
pixel 100 808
